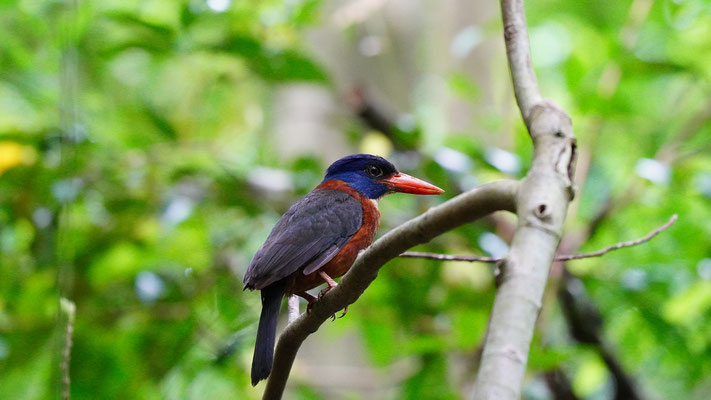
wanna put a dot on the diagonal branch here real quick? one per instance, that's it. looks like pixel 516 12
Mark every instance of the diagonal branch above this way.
pixel 598 253
pixel 461 209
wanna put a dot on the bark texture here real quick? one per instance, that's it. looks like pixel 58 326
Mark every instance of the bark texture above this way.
pixel 541 205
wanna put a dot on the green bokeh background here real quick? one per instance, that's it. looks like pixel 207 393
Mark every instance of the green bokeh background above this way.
pixel 141 166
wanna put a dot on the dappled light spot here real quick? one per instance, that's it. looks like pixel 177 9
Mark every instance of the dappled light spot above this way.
pixel 453 160
pixel 635 279
pixel 703 184
pixel 503 160
pixel 178 210
pixel 370 46
pixel 653 170
pixel 466 40
pixel 42 217
pixel 493 245
pixel 149 286
pixel 219 5
pixel 703 268
pixel 551 44
pixel 66 190
pixel 270 180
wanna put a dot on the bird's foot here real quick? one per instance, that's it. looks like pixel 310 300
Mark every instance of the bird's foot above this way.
pixel 333 317
pixel 329 281
pixel 310 299
pixel 322 293
pixel 325 290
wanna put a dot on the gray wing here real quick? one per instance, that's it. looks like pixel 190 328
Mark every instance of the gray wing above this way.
pixel 307 236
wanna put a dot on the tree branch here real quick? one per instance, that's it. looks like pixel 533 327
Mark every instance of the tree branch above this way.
pixel 461 209
pixel 449 257
pixel 621 245
pixel 578 256
pixel 524 80
pixel 542 203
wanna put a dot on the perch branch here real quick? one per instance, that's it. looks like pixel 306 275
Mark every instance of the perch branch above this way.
pixel 461 209
pixel 568 257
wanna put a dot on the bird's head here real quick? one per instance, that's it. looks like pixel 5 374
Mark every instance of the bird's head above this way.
pixel 375 177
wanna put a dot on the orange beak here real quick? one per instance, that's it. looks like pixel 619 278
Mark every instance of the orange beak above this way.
pixel 407 184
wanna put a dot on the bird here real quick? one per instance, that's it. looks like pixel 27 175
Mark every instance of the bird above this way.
pixel 319 238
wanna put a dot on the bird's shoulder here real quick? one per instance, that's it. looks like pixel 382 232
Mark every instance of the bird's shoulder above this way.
pixel 322 203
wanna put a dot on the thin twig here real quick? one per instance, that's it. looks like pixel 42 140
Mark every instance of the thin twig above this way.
pixel 621 245
pixel 598 253
pixel 449 257
pixel 68 308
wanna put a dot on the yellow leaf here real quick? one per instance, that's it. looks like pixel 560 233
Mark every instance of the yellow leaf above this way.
pixel 13 154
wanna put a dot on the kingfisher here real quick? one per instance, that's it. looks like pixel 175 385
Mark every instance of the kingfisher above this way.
pixel 319 238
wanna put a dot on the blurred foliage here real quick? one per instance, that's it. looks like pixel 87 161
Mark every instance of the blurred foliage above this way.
pixel 136 138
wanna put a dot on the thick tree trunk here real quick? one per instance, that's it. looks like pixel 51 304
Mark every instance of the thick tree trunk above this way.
pixel 541 205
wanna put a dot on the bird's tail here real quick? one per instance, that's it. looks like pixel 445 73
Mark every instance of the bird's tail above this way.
pixel 266 332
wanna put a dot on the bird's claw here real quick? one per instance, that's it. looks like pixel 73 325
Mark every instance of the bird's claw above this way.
pixel 320 296
pixel 345 310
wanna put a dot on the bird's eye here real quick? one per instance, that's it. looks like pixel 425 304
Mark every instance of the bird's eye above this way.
pixel 373 171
